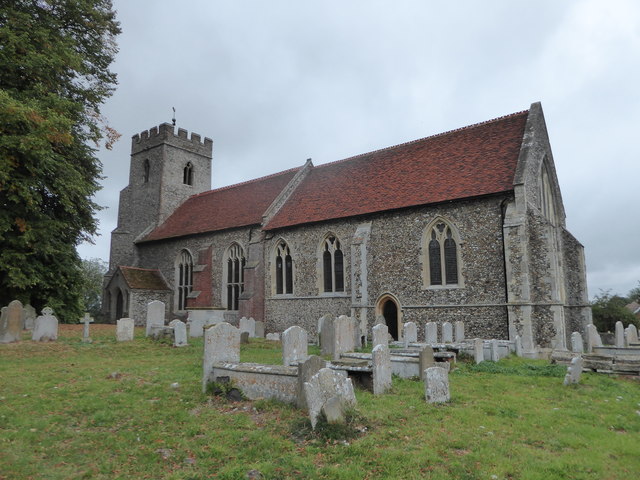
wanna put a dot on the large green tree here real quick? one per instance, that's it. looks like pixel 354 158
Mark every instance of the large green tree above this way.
pixel 54 75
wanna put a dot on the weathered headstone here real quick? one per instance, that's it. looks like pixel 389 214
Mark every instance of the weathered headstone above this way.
pixel 447 333
pixel 221 344
pixel 518 347
pixel 593 338
pixel 248 325
pixel 436 385
pixel 431 333
pixel 274 337
pixel 321 321
pixel 259 329
pixel 45 328
pixel 327 335
pixel 573 371
pixel 124 330
pixel 380 335
pixel 29 317
pixel 345 334
pixel 409 333
pixel 323 386
pixel 86 320
pixel 632 334
pixel 425 360
pixel 179 333
pixel 381 373
pixel 459 325
pixel 619 334
pixel 196 326
pixel 11 322
pixel 244 338
pixel 495 350
pixel 577 346
pixel 355 328
pixel 478 350
pixel 294 345
pixel 155 316
pixel 306 370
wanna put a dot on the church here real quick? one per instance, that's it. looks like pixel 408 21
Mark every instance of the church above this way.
pixel 464 225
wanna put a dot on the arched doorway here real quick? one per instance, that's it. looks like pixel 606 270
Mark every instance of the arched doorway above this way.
pixel 389 308
pixel 119 305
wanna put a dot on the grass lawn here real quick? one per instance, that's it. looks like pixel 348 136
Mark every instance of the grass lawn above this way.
pixel 108 410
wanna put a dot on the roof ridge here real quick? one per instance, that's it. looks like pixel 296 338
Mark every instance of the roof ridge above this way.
pixel 442 134
pixel 138 268
pixel 246 182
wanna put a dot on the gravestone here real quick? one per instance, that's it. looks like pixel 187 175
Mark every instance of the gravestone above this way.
pixel 196 326
pixel 86 320
pixel 274 337
pixel 155 316
pixel 593 338
pixel 577 346
pixel 344 335
pixel 259 329
pixel 632 335
pixel 29 317
pixel 619 334
pixel 380 335
pixel 355 328
pixel 124 330
pixel 11 322
pixel 436 385
pixel 294 345
pixel 518 347
pixel 221 344
pixel 306 370
pixel 410 333
pixel 478 350
pixel 45 328
pixel 573 371
pixel 459 331
pixel 425 360
pixel 381 369
pixel 179 333
pixel 495 350
pixel 244 338
pixel 248 325
pixel 321 321
pixel 324 385
pixel 327 335
pixel 431 333
pixel 447 333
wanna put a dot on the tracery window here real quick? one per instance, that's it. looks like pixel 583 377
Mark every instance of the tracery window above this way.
pixel 235 275
pixel 283 269
pixel 184 278
pixel 442 255
pixel 187 175
pixel 332 265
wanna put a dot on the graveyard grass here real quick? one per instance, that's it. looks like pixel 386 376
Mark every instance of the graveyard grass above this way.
pixel 107 410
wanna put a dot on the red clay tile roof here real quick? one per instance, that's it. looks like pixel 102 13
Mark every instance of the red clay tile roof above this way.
pixel 228 207
pixel 143 278
pixel 476 160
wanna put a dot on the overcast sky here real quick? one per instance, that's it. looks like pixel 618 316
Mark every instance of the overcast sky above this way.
pixel 276 82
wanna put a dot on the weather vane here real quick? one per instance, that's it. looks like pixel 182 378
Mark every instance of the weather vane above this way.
pixel 174 116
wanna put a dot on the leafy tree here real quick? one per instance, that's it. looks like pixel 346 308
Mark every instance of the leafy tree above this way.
pixel 607 309
pixel 54 75
pixel 634 294
pixel 93 271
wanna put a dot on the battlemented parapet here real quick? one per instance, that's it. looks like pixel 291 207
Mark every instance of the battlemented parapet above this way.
pixel 165 133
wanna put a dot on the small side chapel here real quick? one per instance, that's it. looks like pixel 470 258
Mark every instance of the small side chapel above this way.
pixel 464 225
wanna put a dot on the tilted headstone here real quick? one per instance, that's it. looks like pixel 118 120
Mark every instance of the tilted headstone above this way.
pixel 221 344
pixel 425 360
pixel 306 370
pixel 447 333
pixel 86 320
pixel 45 328
pixel 124 330
pixel 459 325
pixel 29 317
pixel 248 325
pixel 409 333
pixel 179 333
pixel 381 369
pixel 495 350
pixel 436 385
pixel 632 334
pixel 518 347
pixel 380 335
pixel 11 322
pixel 323 386
pixel 619 334
pixel 593 338
pixel 259 329
pixel 294 345
pixel 573 371
pixel 431 333
pixel 577 346
pixel 478 350
pixel 274 337
pixel 155 316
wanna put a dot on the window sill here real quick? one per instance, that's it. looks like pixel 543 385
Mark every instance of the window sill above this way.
pixel 443 287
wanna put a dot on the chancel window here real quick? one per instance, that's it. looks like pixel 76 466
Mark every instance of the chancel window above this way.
pixel 442 256
pixel 184 274
pixel 332 265
pixel 235 275
pixel 187 175
pixel 283 266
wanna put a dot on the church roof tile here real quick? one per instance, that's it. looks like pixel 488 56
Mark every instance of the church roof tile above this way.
pixel 143 278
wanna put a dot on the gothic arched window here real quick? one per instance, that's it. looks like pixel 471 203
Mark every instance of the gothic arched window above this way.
pixel 332 265
pixel 442 256
pixel 184 278
pixel 147 171
pixel 235 263
pixel 187 175
pixel 283 269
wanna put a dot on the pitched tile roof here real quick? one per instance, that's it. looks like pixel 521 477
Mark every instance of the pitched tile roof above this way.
pixel 228 207
pixel 472 161
pixel 143 278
